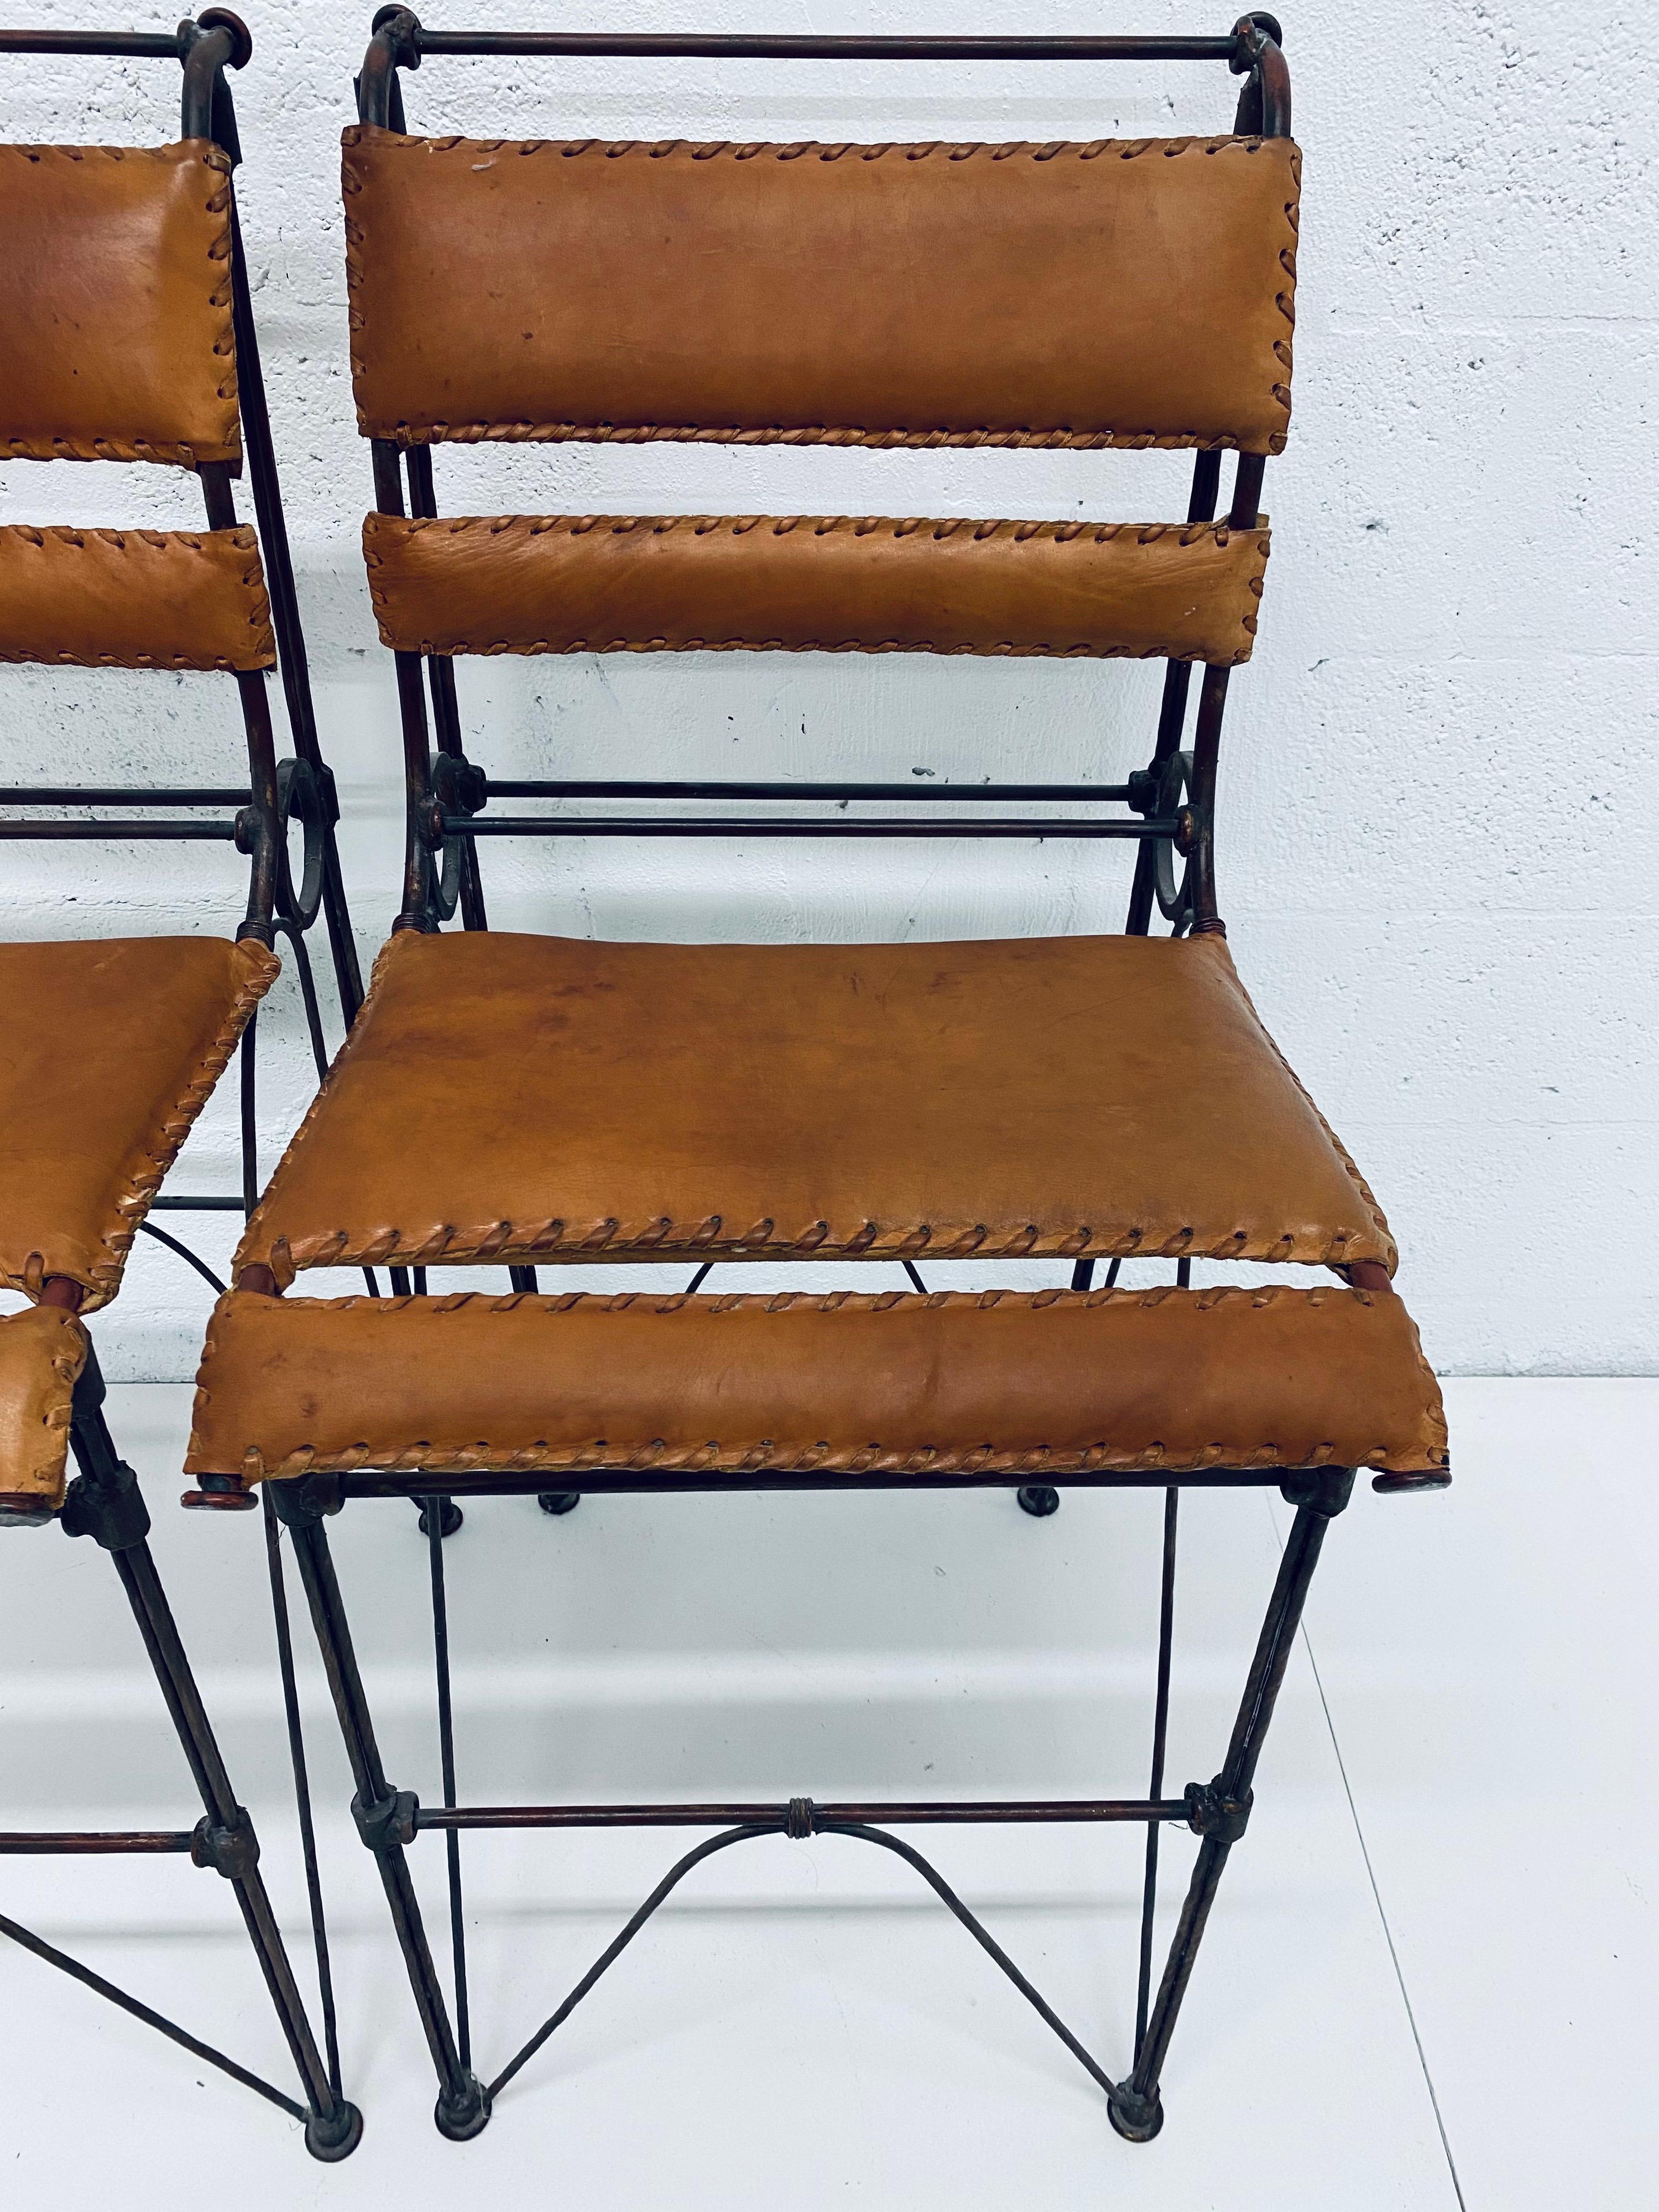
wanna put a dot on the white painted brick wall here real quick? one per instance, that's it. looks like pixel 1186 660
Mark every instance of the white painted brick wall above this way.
pixel 1439 784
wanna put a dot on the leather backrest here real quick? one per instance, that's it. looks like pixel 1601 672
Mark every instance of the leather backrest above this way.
pixel 118 341
pixel 793 584
pixel 1136 294
pixel 134 598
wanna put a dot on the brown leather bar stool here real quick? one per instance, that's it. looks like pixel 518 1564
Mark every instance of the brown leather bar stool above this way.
pixel 646 1102
pixel 129 337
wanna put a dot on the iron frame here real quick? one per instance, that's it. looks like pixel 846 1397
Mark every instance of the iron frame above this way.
pixel 103 1501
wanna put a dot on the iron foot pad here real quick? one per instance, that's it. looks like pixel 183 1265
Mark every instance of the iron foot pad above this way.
pixel 462 2117
pixel 331 2139
pixel 1037 1497
pixel 1137 2119
pixel 558 1501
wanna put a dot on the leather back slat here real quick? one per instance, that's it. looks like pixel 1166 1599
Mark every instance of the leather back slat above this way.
pixel 134 598
pixel 668 583
pixel 1106 294
pixel 118 327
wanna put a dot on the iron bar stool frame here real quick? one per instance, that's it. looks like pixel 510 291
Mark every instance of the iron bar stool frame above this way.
pixel 104 1501
pixel 1172 808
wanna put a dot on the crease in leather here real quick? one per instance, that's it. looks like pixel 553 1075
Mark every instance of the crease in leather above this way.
pixel 119 343
pixel 399 1068
pixel 42 1351
pixel 134 598
pixel 827 584
pixel 1001 1381
pixel 42 1182
pixel 1060 295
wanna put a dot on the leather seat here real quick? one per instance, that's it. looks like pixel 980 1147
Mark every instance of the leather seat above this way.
pixel 679 1391
pixel 523 1099
pixel 108 1050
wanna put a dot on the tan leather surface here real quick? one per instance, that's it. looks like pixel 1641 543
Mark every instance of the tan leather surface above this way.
pixel 134 598
pixel 108 1050
pixel 118 338
pixel 997 1380
pixel 676 583
pixel 1128 294
pixel 42 1351
pixel 518 1099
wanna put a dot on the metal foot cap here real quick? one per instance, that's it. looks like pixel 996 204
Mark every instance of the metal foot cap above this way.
pixel 336 2136
pixel 1037 1497
pixel 1137 2119
pixel 462 2117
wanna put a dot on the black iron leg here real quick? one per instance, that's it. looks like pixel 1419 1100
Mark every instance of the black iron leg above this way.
pixel 104 1502
pixel 385 1816
pixel 1219 1810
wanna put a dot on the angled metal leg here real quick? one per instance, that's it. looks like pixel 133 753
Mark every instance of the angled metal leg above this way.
pixel 385 1816
pixel 104 1502
pixel 1221 1808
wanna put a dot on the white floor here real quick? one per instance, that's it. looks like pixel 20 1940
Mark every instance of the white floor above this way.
pixel 1432 1977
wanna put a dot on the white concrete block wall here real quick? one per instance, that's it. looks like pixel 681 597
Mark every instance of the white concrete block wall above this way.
pixel 1439 784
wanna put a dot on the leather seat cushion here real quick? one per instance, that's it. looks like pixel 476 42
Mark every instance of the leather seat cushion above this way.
pixel 42 1351
pixel 512 1098
pixel 108 1050
pixel 683 1388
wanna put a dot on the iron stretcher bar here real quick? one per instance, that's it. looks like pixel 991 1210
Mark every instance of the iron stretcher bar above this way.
pixel 754 1816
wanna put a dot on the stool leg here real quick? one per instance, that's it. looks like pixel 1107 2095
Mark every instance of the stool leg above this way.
pixel 385 1817
pixel 105 1503
pixel 1137 2111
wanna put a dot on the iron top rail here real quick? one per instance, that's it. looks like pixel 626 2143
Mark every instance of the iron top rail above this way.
pixel 142 46
pixel 158 46
pixel 738 45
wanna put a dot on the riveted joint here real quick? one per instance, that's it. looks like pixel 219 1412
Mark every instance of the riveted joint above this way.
pixel 1211 1813
pixel 250 831
pixel 110 1508
pixel 230 1847
pixel 1141 790
pixel 461 785
pixel 390 1820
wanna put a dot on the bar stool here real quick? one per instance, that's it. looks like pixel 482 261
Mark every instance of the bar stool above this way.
pixel 918 1103
pixel 129 337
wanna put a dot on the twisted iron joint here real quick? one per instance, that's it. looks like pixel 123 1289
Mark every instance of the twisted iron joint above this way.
pixel 390 1820
pixel 797 1822
pixel 1210 1812
pixel 230 1847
